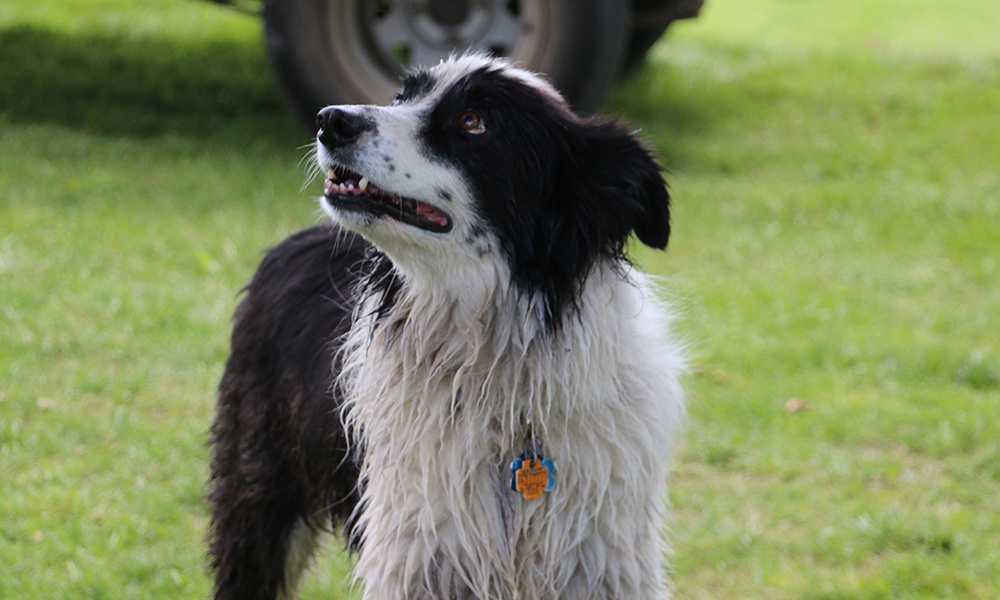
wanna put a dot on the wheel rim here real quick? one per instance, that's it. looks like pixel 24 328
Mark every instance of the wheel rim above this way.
pixel 372 42
pixel 422 32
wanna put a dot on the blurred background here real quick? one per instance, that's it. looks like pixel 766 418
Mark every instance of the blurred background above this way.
pixel 834 168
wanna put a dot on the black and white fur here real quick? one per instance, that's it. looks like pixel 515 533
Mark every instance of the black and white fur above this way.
pixel 494 304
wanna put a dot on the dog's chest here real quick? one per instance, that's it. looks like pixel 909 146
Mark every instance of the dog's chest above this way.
pixel 440 519
pixel 444 522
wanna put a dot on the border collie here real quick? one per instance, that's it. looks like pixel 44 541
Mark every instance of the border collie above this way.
pixel 463 371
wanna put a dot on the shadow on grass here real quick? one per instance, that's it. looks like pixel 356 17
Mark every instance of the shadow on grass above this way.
pixel 122 86
pixel 673 116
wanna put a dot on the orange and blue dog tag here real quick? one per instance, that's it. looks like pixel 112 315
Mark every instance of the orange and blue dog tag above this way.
pixel 532 477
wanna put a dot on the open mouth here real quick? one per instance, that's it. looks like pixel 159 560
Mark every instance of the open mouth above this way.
pixel 350 191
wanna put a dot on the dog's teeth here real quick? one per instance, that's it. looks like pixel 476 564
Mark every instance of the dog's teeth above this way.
pixel 363 184
pixel 331 175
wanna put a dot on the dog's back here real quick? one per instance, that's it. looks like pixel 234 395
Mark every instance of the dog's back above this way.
pixel 282 468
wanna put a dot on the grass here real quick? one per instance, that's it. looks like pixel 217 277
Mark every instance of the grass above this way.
pixel 837 217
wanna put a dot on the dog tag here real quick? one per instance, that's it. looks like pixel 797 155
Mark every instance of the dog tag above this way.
pixel 514 468
pixel 533 477
pixel 551 466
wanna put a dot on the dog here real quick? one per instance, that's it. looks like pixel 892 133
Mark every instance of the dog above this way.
pixel 461 369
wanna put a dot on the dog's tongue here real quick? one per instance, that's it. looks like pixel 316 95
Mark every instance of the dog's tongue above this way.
pixel 431 214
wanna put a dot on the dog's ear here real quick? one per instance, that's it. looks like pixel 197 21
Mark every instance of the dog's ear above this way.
pixel 632 181
pixel 575 190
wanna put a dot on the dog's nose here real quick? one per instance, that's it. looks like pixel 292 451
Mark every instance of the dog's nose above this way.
pixel 340 126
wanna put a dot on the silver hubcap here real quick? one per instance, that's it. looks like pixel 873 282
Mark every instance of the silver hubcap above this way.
pixel 422 32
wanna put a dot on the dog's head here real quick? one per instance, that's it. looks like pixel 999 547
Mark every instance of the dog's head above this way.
pixel 478 162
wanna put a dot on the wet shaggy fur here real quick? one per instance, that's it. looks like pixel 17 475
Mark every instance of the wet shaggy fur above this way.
pixel 472 299
pixel 282 467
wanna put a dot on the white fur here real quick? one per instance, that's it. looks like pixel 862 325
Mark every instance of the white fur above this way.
pixel 444 408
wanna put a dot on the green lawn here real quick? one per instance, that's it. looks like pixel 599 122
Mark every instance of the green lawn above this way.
pixel 836 174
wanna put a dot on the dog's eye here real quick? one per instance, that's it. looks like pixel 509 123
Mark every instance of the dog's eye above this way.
pixel 471 122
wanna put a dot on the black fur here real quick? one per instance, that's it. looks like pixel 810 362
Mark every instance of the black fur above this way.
pixel 559 191
pixel 415 85
pixel 280 452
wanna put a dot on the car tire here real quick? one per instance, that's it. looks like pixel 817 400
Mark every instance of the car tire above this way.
pixel 650 19
pixel 354 51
